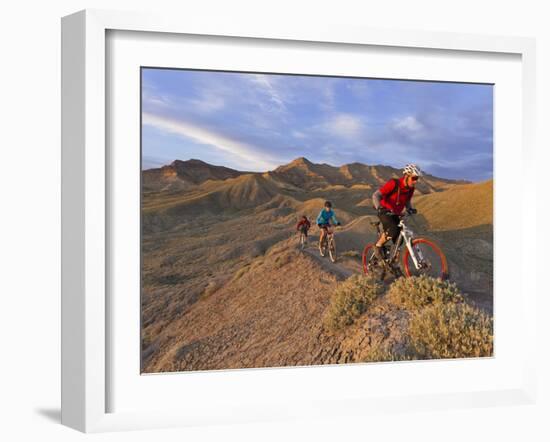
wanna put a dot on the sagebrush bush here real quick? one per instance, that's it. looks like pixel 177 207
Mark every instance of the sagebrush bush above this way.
pixel 350 300
pixel 451 331
pixel 381 352
pixel 420 291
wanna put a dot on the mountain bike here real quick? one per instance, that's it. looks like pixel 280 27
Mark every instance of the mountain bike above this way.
pixel 303 239
pixel 328 244
pixel 409 256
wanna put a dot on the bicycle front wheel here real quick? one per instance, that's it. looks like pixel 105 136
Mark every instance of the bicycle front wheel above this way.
pixel 430 260
pixel 332 250
pixel 323 247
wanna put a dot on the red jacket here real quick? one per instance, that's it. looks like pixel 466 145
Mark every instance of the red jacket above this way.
pixel 396 199
pixel 303 222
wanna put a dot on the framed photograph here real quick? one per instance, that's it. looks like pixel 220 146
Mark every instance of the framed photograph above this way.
pixel 252 212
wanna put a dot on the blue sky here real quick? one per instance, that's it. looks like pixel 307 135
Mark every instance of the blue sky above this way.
pixel 257 122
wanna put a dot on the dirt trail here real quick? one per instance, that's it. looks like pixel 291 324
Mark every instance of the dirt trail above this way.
pixel 336 268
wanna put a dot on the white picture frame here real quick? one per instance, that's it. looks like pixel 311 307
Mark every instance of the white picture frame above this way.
pixel 86 317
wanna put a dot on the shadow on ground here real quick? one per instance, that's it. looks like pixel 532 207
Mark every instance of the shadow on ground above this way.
pixel 51 414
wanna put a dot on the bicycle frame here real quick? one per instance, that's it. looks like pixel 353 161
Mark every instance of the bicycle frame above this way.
pixel 406 236
pixel 329 235
pixel 329 231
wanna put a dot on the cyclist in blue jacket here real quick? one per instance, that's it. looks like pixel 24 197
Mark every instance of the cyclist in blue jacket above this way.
pixel 326 215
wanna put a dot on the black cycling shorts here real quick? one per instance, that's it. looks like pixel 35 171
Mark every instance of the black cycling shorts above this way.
pixel 390 224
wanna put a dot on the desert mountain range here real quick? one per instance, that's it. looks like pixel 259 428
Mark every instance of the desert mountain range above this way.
pixel 300 173
pixel 224 286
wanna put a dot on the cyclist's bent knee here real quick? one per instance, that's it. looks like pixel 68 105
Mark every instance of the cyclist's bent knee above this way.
pixel 390 224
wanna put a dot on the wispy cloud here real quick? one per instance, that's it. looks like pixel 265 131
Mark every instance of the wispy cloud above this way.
pixel 299 134
pixel 251 156
pixel 267 86
pixel 328 95
pixel 408 123
pixel 151 97
pixel 344 126
pixel 208 102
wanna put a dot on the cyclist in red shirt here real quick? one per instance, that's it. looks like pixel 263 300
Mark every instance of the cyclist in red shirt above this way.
pixel 390 201
pixel 303 225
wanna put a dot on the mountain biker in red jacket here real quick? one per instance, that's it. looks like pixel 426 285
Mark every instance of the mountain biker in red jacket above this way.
pixel 303 225
pixel 390 201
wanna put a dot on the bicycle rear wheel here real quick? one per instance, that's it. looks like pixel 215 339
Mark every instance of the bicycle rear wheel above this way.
pixel 432 261
pixel 302 241
pixel 371 264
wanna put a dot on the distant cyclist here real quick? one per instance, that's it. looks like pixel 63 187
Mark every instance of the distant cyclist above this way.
pixel 303 225
pixel 390 201
pixel 326 215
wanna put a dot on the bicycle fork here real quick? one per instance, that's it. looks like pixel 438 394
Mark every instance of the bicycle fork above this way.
pixel 416 255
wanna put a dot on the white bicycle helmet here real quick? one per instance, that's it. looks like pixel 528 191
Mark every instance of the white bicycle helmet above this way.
pixel 412 169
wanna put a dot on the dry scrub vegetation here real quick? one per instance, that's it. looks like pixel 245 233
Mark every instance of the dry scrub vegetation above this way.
pixel 351 299
pixel 440 324
pixel 421 291
pixel 451 331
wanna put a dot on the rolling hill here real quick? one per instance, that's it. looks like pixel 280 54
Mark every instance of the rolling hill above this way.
pixel 182 175
pixel 461 207
pixel 184 190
